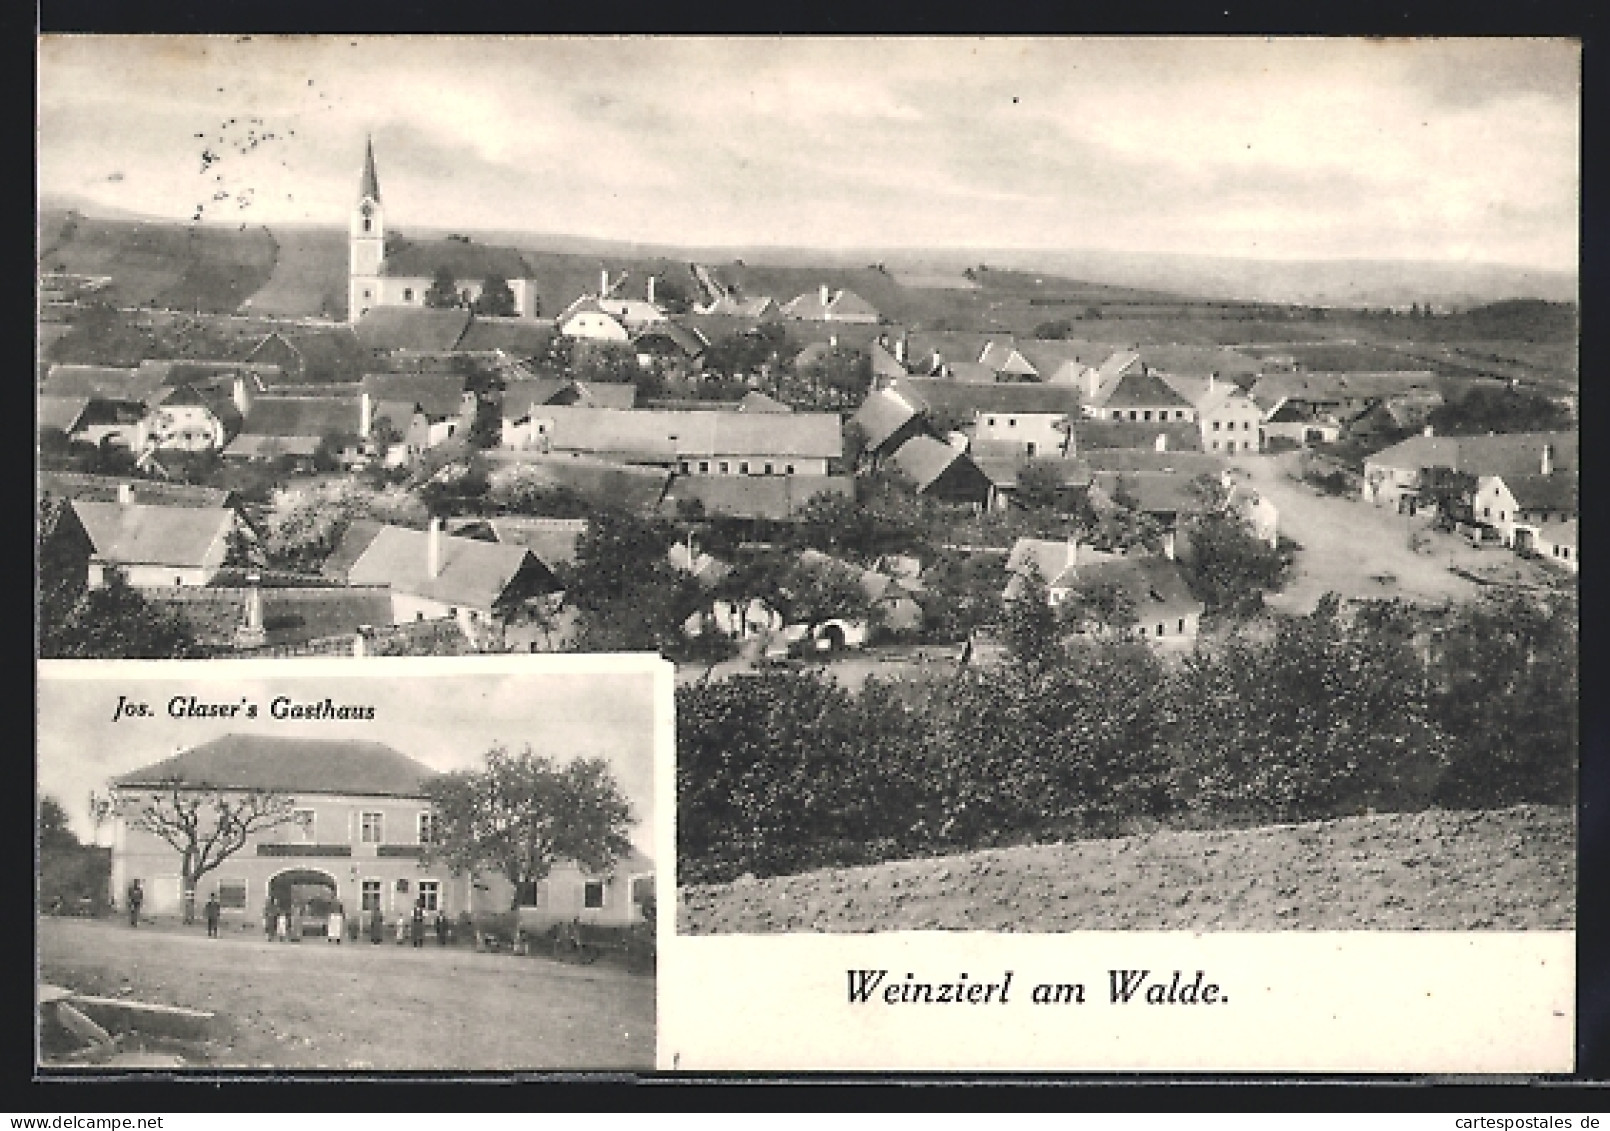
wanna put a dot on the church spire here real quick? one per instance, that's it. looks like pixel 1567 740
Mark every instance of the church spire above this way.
pixel 370 186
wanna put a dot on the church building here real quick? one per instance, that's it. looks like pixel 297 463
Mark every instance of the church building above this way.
pixel 393 271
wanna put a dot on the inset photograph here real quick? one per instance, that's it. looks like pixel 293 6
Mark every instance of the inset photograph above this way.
pixel 272 865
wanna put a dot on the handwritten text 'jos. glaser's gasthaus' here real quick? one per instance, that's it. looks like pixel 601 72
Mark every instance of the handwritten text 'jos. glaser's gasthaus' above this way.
pixel 1125 987
pixel 280 707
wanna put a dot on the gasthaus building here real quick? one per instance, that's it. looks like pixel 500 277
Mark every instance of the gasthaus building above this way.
pixel 361 823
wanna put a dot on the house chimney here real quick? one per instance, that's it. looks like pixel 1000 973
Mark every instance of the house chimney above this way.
pixel 900 349
pixel 242 395
pixel 1428 430
pixel 1548 459
pixel 366 414
pixel 824 295
pixel 1168 544
pixel 833 341
pixel 651 290
pixel 1073 552
pixel 1162 441
pixel 1213 381
pixel 1092 380
pixel 603 281
pixel 433 548
pixel 125 494
pixel 360 641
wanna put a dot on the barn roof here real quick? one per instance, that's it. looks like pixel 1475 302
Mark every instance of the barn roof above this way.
pixel 472 573
pixel 273 415
pixel 466 262
pixel 138 534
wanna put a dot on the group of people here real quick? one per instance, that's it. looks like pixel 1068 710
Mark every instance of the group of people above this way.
pixel 408 928
pixel 285 922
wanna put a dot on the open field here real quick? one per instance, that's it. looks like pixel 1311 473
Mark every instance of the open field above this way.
pixel 309 277
pixel 1511 869
pixel 360 1006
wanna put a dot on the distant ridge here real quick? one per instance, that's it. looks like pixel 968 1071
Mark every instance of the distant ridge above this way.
pixel 1351 283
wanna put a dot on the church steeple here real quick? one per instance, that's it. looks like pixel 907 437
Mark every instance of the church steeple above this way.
pixel 367 241
pixel 369 187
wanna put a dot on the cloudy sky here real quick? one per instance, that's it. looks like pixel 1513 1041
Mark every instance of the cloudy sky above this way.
pixel 1429 149
pixel 445 721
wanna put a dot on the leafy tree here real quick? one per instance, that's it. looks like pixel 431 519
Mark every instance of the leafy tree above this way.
pixel 204 825
pixel 1506 686
pixel 496 299
pixel 1488 409
pixel 1103 607
pixel 1229 568
pixel 519 814
pixel 629 596
pixel 110 623
pixel 1039 487
pixel 305 527
pixel 1030 624
pixel 522 489
pixel 609 362
pixel 961 594
pixel 54 832
pixel 443 291
pixel 838 378
pixel 71 874
pixel 817 591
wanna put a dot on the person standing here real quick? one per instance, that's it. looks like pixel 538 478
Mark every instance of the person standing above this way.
pixel 269 915
pixel 441 928
pixel 337 925
pixel 282 926
pixel 377 926
pixel 417 927
pixel 136 898
pixel 214 910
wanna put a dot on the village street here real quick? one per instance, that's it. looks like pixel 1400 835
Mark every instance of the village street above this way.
pixel 361 1006
pixel 1360 551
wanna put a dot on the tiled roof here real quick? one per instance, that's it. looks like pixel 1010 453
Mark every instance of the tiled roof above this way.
pixel 667 435
pixel 1050 356
pixel 1004 470
pixel 1152 492
pixel 881 415
pixel 970 372
pixel 137 534
pixel 518 337
pixel 1154 584
pixel 842 306
pixel 291 615
pixel 61 412
pixel 638 489
pixel 354 541
pixel 552 540
pixel 466 262
pixel 632 312
pixel 1544 492
pixel 1511 453
pixel 1192 463
pixel 150 492
pixel 274 415
pixel 1138 387
pixel 437 394
pixel 1199 361
pixel 1027 397
pixel 472 573
pixel 250 446
pixel 776 498
pixel 1004 357
pixel 684 338
pixel 1088 435
pixel 755 401
pixel 924 459
pixel 412 328
pixel 884 363
pixel 290 765
pixel 100 382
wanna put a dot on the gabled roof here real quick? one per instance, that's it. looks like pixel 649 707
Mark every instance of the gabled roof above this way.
pixel 775 498
pixel 1151 492
pixel 1559 533
pixel 552 540
pixel 755 401
pixel 1137 387
pixel 884 363
pixel 354 541
pixel 100 382
pixel 412 328
pixel 1004 357
pixel 517 397
pixel 250 446
pixel 884 413
pixel 1539 492
pixel 1050 558
pixel 149 492
pixel 1050 357
pixel 632 312
pixel 473 573
pixel 607 394
pixel 323 353
pixel 62 413
pixel 924 459
pixel 1207 394
pixel 290 765
pixel 138 534
pixel 1117 365
pixel 970 372
pixel 1192 463
pixel 727 306
pixel 1155 586
pixel 1004 470
pixel 274 415
pixel 466 262
pixel 588 304
pixel 437 394
pixel 208 374
pixel 842 306
pixel 1512 453
pixel 684 338
pixel 1199 361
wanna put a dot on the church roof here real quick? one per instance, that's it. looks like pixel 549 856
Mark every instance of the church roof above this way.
pixel 466 262
pixel 370 185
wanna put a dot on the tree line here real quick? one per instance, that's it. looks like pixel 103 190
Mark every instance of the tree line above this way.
pixel 1337 713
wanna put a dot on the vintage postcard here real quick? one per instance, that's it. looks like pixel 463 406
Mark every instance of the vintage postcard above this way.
pixel 365 866
pixel 1110 504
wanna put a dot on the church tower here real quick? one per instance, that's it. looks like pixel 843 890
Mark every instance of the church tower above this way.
pixel 367 241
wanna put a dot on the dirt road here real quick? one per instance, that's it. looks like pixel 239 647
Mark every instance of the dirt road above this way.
pixel 1506 870
pixel 357 1006
pixel 1348 545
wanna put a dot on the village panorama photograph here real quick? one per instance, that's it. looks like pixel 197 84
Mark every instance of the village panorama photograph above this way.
pixel 263 866
pixel 1082 484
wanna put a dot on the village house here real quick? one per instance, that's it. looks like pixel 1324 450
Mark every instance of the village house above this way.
pixel 588 317
pixel 1007 362
pixel 633 487
pixel 1028 419
pixel 1308 408
pixel 424 409
pixel 521 405
pixel 1395 476
pixel 433 575
pixel 295 428
pixel 393 272
pixel 1126 390
pixel 1517 506
pixel 1556 541
pixel 241 612
pixel 152 546
pixel 1230 420
pixel 388 330
pixel 1165 613
pixel 827 305
pixel 106 404
pixel 1067 361
pixel 1069 479
pixel 359 834
pixel 148 492
pixel 311 356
